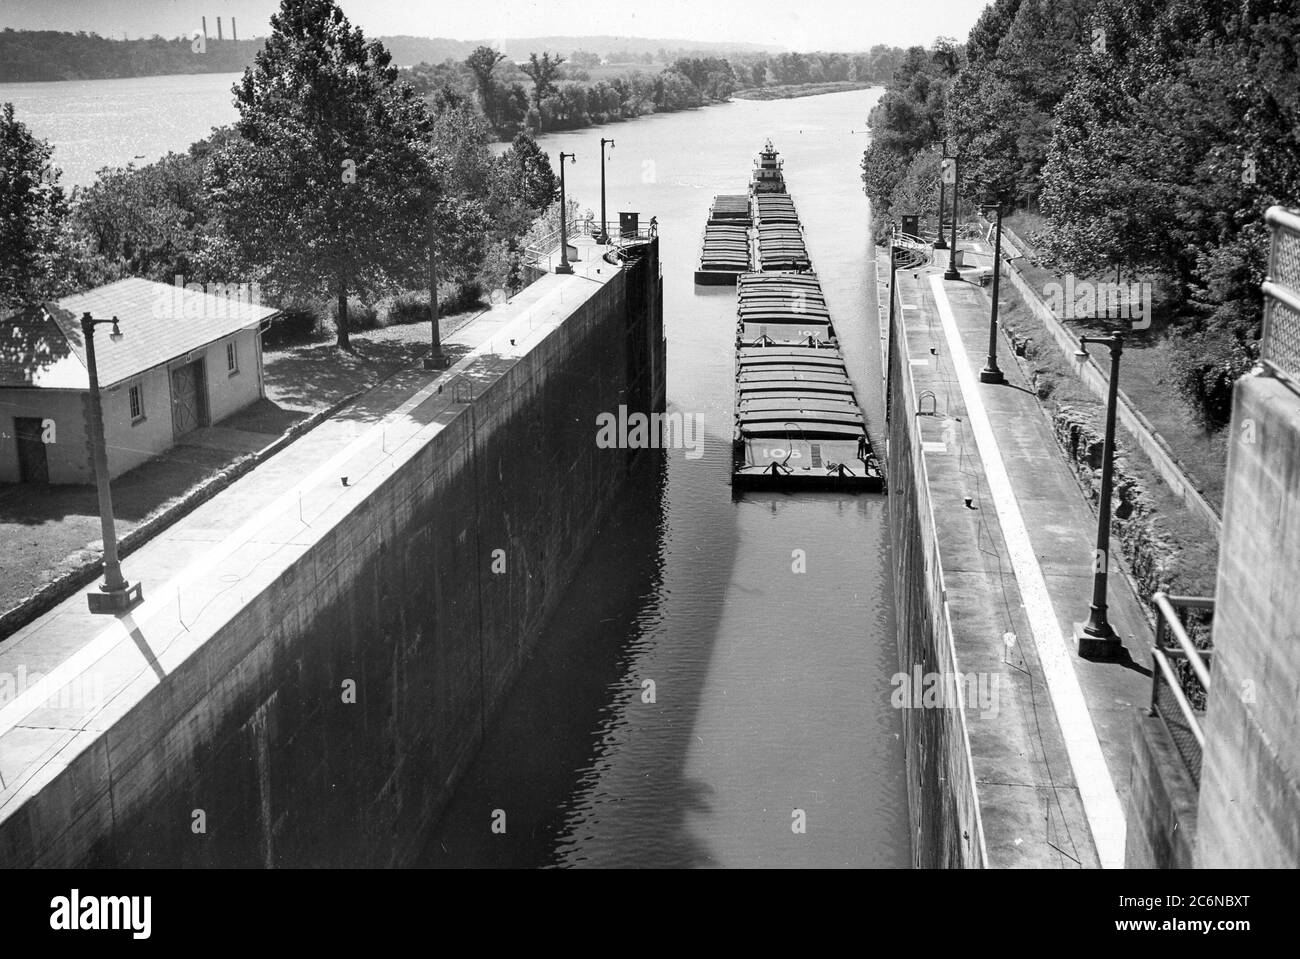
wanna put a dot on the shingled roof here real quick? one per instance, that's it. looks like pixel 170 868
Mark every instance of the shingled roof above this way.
pixel 41 346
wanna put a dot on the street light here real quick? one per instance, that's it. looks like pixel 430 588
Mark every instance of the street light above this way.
pixel 939 244
pixel 603 239
pixel 889 335
pixel 436 360
pixel 1096 639
pixel 991 373
pixel 951 273
pixel 115 594
pixel 564 266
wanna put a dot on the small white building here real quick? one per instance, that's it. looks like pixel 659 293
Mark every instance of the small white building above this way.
pixel 186 359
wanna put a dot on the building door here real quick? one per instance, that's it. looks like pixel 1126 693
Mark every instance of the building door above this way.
pixel 189 398
pixel 33 467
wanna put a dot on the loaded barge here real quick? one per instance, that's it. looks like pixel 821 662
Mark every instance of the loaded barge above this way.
pixel 798 423
pixel 725 248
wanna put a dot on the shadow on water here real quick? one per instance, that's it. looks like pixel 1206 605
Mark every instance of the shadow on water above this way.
pixel 581 690
pixel 772 682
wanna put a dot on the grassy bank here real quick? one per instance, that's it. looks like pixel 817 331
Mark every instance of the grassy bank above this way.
pixel 1189 551
pixel 1146 376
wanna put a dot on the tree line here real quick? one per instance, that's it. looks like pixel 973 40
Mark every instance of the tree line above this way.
pixel 56 55
pixel 549 91
pixel 332 185
pixel 1151 136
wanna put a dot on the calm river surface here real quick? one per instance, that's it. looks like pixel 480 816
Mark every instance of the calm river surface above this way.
pixel 771 687
pixel 99 123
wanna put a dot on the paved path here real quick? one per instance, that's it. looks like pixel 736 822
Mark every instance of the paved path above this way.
pixel 199 572
pixel 1021 560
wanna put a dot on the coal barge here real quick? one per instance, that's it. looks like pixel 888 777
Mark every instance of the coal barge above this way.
pixel 798 425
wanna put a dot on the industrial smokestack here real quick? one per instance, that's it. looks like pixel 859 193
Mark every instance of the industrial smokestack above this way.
pixel 233 34
pixel 205 27
pixel 219 28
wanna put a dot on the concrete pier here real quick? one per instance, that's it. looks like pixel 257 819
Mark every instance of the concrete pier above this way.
pixel 1027 763
pixel 323 643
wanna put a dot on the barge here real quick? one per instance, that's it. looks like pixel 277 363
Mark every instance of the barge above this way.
pixel 798 425
pixel 725 246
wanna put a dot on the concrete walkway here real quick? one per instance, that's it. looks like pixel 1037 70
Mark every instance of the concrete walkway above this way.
pixel 198 573
pixel 1019 559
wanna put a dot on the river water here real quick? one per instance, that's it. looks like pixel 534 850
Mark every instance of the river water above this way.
pixel 99 123
pixel 771 687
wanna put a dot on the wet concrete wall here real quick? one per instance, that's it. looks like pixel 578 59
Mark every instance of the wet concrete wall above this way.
pixel 426 598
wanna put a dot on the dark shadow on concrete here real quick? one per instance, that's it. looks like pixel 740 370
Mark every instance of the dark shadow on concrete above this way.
pixel 143 645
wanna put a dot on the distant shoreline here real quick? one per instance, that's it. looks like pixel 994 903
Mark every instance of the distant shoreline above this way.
pixel 792 91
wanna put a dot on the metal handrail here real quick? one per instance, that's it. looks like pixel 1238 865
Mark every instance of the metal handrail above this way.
pixel 1176 687
pixel 1279 343
pixel 1166 604
pixel 584 226
pixel 1186 719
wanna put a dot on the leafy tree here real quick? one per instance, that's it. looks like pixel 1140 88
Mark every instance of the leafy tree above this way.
pixel 32 207
pixel 543 71
pixel 1004 101
pixel 524 174
pixel 481 63
pixel 328 186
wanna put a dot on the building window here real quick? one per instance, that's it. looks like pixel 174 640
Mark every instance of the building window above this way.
pixel 232 358
pixel 136 396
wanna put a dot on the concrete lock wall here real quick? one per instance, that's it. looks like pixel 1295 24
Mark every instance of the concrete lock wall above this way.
pixel 1250 776
pixel 399 597
pixel 941 796
pixel 1161 812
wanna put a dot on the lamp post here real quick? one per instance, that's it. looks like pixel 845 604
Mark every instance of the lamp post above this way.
pixel 991 373
pixel 1096 639
pixel 889 341
pixel 939 244
pixel 115 594
pixel 564 266
pixel 951 273
pixel 436 360
pixel 603 239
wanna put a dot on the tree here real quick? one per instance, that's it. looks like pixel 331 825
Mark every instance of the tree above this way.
pixel 481 63
pixel 543 71
pixel 32 207
pixel 328 185
pixel 525 174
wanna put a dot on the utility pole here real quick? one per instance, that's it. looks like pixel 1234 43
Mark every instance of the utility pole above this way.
pixel 564 266
pixel 991 372
pixel 436 360
pixel 115 594
pixel 951 273
pixel 603 239
pixel 1096 639
pixel 939 244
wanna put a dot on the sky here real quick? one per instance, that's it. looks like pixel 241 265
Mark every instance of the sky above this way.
pixel 791 24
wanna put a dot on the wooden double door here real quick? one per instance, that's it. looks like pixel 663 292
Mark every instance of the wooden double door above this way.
pixel 189 398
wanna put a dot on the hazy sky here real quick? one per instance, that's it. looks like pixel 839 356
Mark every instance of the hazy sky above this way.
pixel 794 24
